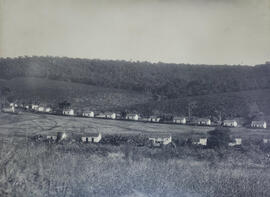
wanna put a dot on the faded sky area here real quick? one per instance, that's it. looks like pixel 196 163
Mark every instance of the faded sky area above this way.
pixel 184 31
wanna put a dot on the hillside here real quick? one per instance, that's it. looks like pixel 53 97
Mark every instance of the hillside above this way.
pixel 229 91
pixel 169 80
pixel 79 95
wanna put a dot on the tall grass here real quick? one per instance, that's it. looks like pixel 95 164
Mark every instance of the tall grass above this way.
pixel 31 169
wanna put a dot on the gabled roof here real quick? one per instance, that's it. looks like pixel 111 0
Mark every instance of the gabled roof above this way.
pixel 154 117
pixel 109 113
pixel 260 122
pixel 203 119
pixel 132 114
pixel 179 118
pixel 158 135
pixel 229 121
pixel 91 134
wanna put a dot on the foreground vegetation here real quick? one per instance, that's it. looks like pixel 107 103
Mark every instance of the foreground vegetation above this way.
pixel 28 168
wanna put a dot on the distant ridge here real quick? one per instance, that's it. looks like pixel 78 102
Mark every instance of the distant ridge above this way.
pixel 167 84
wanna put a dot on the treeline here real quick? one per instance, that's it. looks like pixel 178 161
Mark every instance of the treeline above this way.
pixel 161 79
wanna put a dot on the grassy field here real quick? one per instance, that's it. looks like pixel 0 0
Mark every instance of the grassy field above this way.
pixel 30 168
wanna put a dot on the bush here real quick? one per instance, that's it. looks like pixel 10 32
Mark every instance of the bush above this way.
pixel 219 138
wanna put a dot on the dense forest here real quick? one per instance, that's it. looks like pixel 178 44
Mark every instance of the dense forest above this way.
pixel 161 79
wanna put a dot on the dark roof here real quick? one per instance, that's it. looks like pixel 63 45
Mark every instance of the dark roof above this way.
pixel 91 134
pixel 158 135
pixel 179 117
pixel 258 122
pixel 229 121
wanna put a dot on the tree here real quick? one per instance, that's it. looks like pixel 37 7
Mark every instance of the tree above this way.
pixel 4 92
pixel 64 105
pixel 219 138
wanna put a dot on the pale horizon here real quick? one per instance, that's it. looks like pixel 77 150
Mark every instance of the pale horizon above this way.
pixel 182 32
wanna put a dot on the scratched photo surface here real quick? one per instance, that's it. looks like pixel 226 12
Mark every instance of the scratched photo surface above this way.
pixel 135 98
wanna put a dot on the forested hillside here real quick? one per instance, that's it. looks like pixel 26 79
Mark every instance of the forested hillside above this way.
pixel 229 91
pixel 170 80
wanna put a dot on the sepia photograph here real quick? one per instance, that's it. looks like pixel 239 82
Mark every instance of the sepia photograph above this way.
pixel 134 98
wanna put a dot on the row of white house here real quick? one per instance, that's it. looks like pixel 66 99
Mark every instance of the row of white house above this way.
pixel 131 116
pixel 156 139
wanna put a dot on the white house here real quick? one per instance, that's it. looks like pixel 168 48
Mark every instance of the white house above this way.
pixel 100 115
pixel 265 141
pixel 237 142
pixel 230 123
pixel 159 139
pixel 202 141
pixel 179 120
pixel 154 119
pixel 92 137
pixel 34 107
pixel 10 109
pixel 132 117
pixel 110 115
pixel 204 121
pixel 259 124
pixel 41 109
pixel 68 112
pixel 89 114
pixel 48 109
pixel 51 137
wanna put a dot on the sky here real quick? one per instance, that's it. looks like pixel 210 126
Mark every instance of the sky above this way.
pixel 172 31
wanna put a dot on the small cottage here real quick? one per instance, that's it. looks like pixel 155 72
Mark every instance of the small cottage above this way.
pixel 41 109
pixel 204 121
pixel 89 114
pixel 110 115
pixel 68 112
pixel 34 107
pixel 201 141
pixel 92 137
pixel 259 124
pixel 154 119
pixel 10 109
pixel 179 120
pixel 51 137
pixel 48 110
pixel 159 139
pixel 266 141
pixel 132 117
pixel 237 142
pixel 100 115
pixel 230 123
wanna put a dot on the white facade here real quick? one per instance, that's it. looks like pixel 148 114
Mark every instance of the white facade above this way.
pixel 154 119
pixel 95 138
pixel 51 137
pixel 237 142
pixel 179 120
pixel 259 124
pixel 68 112
pixel 9 109
pixel 132 117
pixel 90 114
pixel 48 109
pixel 160 140
pixel 202 141
pixel 230 123
pixel 41 109
pixel 34 107
pixel 110 115
pixel 203 121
